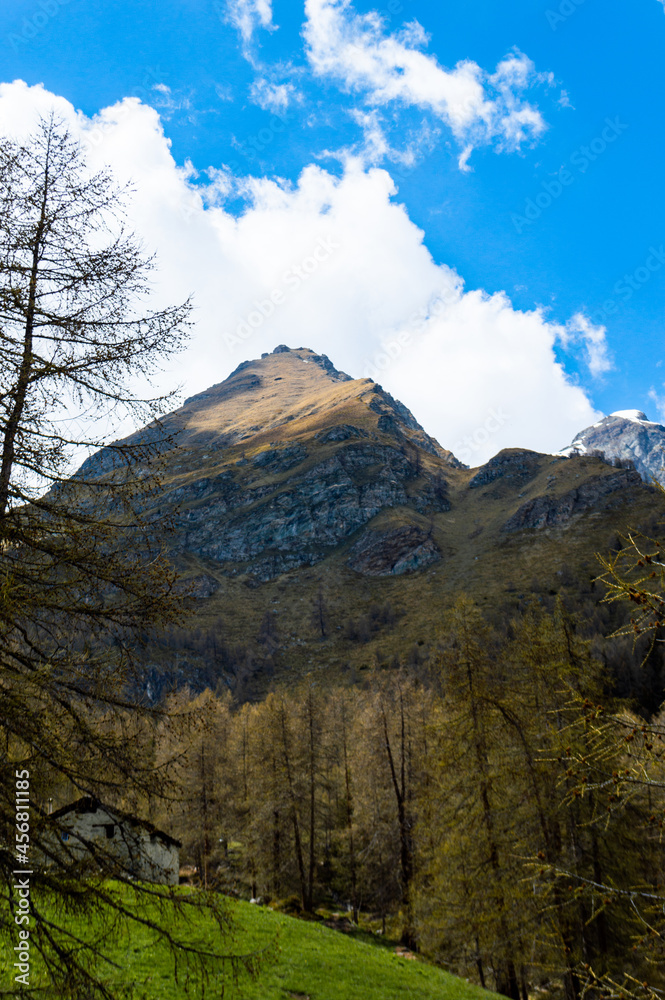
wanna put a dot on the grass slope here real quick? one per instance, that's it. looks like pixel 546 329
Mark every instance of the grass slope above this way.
pixel 323 964
pixel 312 961
pixel 307 961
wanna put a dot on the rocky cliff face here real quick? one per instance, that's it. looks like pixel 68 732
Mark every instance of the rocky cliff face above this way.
pixel 626 436
pixel 271 527
pixel 514 466
pixel 393 552
pixel 547 511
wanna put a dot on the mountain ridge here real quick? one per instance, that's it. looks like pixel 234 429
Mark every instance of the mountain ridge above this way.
pixel 317 525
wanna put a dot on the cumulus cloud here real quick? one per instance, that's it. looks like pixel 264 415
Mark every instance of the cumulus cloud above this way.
pixel 335 264
pixel 487 374
pixel 388 68
pixel 579 330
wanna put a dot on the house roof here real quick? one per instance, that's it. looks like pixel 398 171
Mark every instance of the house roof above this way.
pixel 89 804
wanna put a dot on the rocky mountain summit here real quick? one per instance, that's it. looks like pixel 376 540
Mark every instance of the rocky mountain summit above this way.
pixel 286 459
pixel 626 436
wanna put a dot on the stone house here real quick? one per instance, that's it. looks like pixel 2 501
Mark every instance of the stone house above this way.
pixel 101 836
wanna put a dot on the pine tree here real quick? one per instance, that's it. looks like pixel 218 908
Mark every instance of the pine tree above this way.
pixel 471 812
pixel 82 572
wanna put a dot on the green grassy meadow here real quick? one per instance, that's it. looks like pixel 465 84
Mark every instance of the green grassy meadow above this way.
pixel 301 959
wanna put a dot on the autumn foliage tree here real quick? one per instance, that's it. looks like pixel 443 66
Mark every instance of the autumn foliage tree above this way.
pixel 81 563
pixel 502 813
pixel 615 770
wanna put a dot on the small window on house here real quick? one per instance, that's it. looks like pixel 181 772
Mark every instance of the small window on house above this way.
pixel 110 828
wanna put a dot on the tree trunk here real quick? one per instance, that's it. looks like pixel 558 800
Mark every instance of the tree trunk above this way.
pixel 406 852
pixel 23 380
pixel 506 975
pixel 312 804
pixel 294 810
pixel 205 843
pixel 349 818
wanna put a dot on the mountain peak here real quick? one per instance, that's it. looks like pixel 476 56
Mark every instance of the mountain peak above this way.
pixel 288 458
pixel 626 436
pixel 295 394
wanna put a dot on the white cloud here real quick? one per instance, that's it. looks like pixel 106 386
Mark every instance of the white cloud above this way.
pixel 579 330
pixel 248 16
pixel 375 146
pixel 354 280
pixel 483 375
pixel 658 398
pixel 480 108
pixel 224 91
pixel 274 97
pixel 169 102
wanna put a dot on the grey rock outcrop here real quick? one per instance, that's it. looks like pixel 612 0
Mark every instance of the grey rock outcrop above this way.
pixel 341 432
pixel 275 528
pixel 512 464
pixel 549 511
pixel 395 418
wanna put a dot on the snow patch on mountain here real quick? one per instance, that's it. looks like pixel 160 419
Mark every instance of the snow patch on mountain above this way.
pixel 637 415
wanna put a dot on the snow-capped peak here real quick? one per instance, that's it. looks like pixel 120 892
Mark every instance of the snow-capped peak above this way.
pixel 635 415
pixel 625 436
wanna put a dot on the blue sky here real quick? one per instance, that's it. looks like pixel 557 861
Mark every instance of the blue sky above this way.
pixel 524 143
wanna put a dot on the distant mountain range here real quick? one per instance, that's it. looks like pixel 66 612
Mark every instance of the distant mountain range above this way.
pixel 626 436
pixel 319 525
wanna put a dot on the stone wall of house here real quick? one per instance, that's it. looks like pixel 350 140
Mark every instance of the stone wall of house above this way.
pixel 159 861
pixel 145 855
